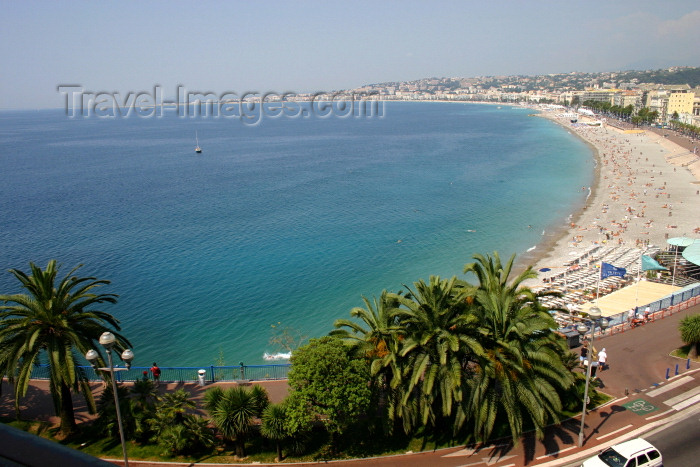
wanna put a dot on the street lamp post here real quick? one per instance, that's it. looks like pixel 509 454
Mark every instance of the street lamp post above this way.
pixel 107 341
pixel 594 313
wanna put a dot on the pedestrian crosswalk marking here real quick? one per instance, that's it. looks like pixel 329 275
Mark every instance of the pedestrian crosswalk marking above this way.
pixel 670 386
pixel 682 397
pixel 687 402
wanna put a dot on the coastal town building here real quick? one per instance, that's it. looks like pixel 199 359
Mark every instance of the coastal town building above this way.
pixel 600 95
pixel 681 102
pixel 625 98
pixel 669 101
pixel 638 89
pixel 657 101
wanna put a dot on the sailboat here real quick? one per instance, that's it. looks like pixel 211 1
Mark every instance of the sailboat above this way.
pixel 198 150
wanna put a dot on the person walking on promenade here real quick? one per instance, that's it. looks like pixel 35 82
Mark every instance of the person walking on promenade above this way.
pixel 156 373
pixel 603 359
pixel 584 353
pixel 592 360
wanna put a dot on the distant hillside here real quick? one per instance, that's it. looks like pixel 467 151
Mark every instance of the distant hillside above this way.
pixel 573 81
pixel 690 76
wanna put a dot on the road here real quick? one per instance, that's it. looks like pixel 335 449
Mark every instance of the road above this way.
pixel 678 443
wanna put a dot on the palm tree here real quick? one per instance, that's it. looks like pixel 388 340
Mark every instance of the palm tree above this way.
pixel 172 406
pixel 107 422
pixel 145 397
pixel 261 399
pixel 233 414
pixel 54 322
pixel 175 429
pixel 690 333
pixel 441 340
pixel 381 325
pixel 189 436
pixel 212 397
pixel 145 392
pixel 379 340
pixel 521 374
pixel 273 428
pixel 170 411
pixel 570 360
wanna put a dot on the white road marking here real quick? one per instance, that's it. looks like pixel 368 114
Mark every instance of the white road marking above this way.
pixel 614 432
pixel 550 454
pixel 682 397
pixel 670 386
pixel 659 415
pixel 687 403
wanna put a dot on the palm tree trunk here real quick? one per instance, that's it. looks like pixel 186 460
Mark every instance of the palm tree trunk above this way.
pixel 67 414
pixel 240 447
pixel 279 451
pixel 693 351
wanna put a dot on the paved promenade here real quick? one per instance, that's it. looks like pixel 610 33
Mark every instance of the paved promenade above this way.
pixel 643 399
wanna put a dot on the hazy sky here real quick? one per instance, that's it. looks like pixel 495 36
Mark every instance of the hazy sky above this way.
pixel 308 46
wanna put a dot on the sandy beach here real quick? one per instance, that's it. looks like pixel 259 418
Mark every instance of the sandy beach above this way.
pixel 646 190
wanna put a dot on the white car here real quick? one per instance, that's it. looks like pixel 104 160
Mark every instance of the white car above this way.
pixel 634 453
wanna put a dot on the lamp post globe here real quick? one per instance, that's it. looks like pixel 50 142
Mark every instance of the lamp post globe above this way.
pixel 107 339
pixel 594 312
pixel 91 356
pixel 127 357
pixel 582 329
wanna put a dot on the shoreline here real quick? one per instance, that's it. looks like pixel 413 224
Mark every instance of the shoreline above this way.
pixel 639 197
pixel 559 232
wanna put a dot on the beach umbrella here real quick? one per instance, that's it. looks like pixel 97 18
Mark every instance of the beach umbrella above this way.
pixel 692 253
pixel 680 241
pixel 650 264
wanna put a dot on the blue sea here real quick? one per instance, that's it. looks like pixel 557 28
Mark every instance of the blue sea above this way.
pixel 287 223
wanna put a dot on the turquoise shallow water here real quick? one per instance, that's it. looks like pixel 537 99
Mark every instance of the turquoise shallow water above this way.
pixel 289 221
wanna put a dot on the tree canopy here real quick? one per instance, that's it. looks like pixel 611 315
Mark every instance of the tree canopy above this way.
pixel 56 320
pixel 690 333
pixel 473 358
pixel 327 385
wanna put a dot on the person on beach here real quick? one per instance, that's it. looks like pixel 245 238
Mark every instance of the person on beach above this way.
pixel 584 353
pixel 156 373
